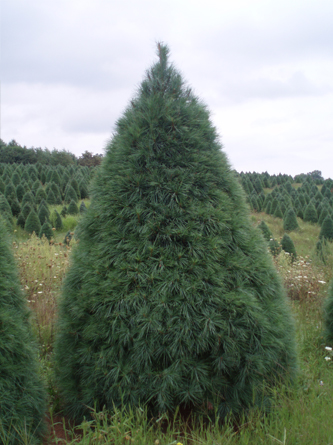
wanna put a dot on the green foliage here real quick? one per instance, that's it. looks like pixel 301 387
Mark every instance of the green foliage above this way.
pixel 32 223
pixel 56 220
pixel 15 207
pixel 278 212
pixel 265 230
pixel 288 245
pixel 46 230
pixel 51 200
pixel 28 197
pixel 274 246
pixel 43 214
pixel 70 195
pixel 40 194
pixel 328 315
pixel 72 208
pixel 172 298
pixel 64 212
pixel 22 395
pixel 327 229
pixel 83 207
pixel 310 213
pixel 290 221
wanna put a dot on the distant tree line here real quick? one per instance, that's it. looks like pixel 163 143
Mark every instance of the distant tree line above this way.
pixel 14 153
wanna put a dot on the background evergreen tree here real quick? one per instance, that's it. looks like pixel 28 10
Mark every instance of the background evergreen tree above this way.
pixel 70 194
pixel 310 213
pixel 172 298
pixel 72 208
pixel 326 230
pixel 290 221
pixel 328 316
pixel 32 223
pixel 57 221
pixel 83 207
pixel 22 395
pixel 265 230
pixel 46 230
pixel 40 194
pixel 64 212
pixel 43 213
pixel 288 246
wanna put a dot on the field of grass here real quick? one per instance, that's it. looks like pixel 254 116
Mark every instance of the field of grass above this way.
pixel 300 415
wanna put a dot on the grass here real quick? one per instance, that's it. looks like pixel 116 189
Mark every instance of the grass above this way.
pixel 300 415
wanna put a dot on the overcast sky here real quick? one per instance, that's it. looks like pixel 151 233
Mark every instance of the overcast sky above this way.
pixel 264 68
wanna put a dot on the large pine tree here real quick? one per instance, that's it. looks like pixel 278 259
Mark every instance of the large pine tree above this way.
pixel 22 395
pixel 172 298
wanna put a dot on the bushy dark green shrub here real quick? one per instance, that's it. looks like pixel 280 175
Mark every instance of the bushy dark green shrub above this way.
pixel 32 223
pixel 290 221
pixel 21 220
pixel 172 298
pixel 326 230
pixel 288 246
pixel 22 395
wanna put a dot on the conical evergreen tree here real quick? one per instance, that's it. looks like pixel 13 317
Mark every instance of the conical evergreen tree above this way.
pixel 43 214
pixel 46 230
pixel 172 298
pixel 70 194
pixel 310 213
pixel 22 395
pixel 326 230
pixel 72 208
pixel 40 194
pixel 83 207
pixel 32 223
pixel 278 213
pixel 328 316
pixel 57 221
pixel 288 246
pixel 290 221
pixel 265 230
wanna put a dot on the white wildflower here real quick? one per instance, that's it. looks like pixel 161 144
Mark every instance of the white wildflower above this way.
pixel 322 282
pixel 39 292
pixel 328 348
pixel 327 358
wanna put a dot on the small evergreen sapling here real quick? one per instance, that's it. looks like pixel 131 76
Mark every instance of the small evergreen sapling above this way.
pixel 171 298
pixel 22 394
pixel 288 246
